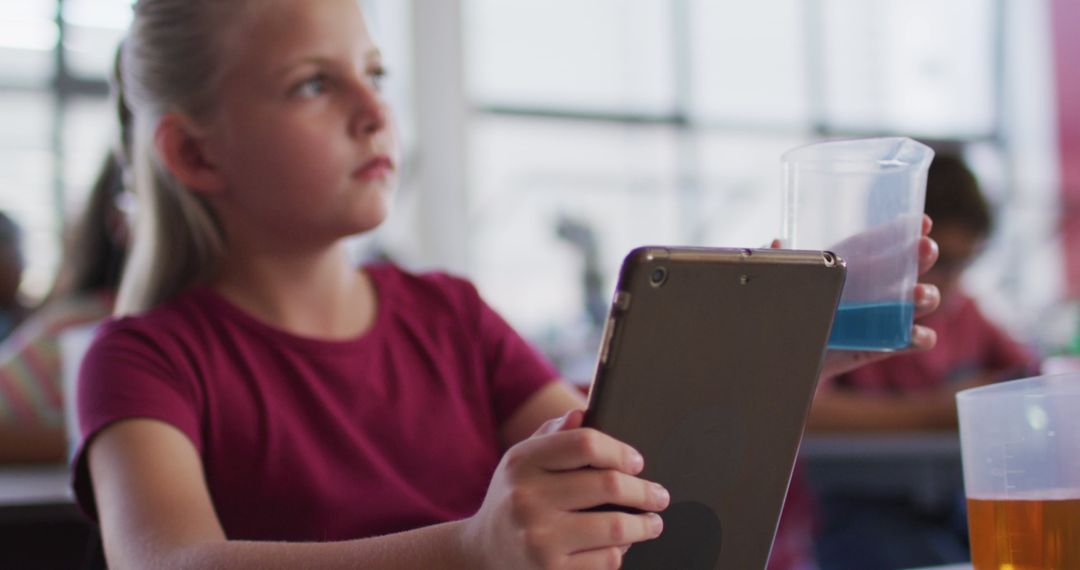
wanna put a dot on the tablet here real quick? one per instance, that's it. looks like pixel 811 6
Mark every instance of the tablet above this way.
pixel 708 366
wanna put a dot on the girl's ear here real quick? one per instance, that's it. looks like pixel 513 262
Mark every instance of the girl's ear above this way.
pixel 181 146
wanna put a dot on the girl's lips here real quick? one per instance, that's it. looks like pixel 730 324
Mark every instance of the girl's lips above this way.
pixel 378 167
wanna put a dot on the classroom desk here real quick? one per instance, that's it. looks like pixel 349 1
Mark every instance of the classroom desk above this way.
pixel 924 466
pixel 40 526
pixel 28 485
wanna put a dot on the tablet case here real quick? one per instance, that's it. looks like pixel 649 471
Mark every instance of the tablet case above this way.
pixel 708 367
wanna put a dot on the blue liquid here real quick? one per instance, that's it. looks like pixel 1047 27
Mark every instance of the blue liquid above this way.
pixel 872 326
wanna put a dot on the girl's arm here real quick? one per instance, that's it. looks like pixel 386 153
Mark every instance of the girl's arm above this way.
pixel 155 510
pixel 551 401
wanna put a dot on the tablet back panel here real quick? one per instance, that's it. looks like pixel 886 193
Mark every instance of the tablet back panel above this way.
pixel 708 368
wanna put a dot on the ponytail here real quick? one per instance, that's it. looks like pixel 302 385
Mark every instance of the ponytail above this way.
pixel 170 62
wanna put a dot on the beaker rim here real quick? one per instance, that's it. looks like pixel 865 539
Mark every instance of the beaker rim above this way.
pixel 873 154
pixel 1064 384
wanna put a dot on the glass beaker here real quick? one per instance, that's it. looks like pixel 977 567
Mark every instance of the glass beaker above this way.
pixel 863 200
pixel 1020 443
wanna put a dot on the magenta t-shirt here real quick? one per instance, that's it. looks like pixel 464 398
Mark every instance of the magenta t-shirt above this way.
pixel 315 440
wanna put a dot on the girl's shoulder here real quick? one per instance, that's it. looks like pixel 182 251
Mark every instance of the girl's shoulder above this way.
pixel 186 315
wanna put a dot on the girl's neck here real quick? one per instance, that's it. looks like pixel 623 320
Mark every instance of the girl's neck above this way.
pixel 320 296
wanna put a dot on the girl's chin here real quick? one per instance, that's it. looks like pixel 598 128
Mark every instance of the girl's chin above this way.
pixel 370 221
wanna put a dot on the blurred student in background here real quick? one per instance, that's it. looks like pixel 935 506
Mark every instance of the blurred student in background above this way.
pixel 916 391
pixel 31 388
pixel 32 391
pixel 13 309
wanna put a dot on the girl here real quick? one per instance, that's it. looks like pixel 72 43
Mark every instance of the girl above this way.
pixel 263 403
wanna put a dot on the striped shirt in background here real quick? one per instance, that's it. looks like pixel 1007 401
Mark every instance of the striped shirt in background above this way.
pixel 31 386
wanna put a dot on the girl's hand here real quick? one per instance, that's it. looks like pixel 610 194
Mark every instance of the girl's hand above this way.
pixel 534 515
pixel 927 299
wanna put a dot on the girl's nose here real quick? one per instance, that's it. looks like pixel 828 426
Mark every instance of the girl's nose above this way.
pixel 370 111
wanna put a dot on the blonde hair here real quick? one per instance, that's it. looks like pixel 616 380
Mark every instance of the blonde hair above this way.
pixel 171 62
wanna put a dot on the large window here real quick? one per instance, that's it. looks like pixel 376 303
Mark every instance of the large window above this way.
pixel 54 63
pixel 92 30
pixel 599 125
pixel 922 67
pixel 28 34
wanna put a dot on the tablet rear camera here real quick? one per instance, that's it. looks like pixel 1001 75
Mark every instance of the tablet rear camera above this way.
pixel 658 276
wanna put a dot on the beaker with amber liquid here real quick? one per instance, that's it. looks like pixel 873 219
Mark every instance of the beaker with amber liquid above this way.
pixel 1020 443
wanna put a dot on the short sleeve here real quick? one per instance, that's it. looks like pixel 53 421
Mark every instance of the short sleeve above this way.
pixel 129 373
pixel 515 369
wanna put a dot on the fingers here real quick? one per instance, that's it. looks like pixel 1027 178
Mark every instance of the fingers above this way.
pixel 927 299
pixel 928 254
pixel 574 449
pixel 587 488
pixel 592 531
pixel 839 362
pixel 569 420
pixel 610 557
pixel 922 338
pixel 927 225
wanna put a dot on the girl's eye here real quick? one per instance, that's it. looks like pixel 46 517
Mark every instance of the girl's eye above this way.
pixel 377 76
pixel 312 87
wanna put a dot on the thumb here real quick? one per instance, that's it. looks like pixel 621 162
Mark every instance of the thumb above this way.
pixel 569 420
